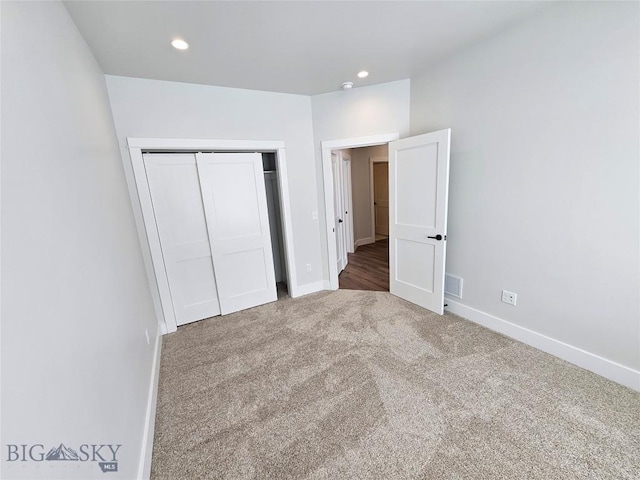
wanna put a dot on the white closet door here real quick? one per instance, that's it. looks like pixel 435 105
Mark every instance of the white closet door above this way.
pixel 177 204
pixel 235 203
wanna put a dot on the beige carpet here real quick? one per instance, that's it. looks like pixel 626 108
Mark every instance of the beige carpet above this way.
pixel 363 385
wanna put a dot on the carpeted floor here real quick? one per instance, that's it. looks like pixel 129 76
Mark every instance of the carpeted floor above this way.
pixel 363 385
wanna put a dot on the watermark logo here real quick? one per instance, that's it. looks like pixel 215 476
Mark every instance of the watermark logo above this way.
pixel 105 455
pixel 62 453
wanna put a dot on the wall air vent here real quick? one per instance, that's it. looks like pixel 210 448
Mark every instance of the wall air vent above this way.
pixel 453 285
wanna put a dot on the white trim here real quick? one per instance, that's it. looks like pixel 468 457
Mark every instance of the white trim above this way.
pixel 158 276
pixel 310 288
pixel 285 218
pixel 365 241
pixel 148 233
pixel 327 146
pixel 144 468
pixel 589 361
pixel 373 160
pixel 127 166
pixel 356 142
pixel 203 144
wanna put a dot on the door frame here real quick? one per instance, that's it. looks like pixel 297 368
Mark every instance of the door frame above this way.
pixel 145 221
pixel 373 160
pixel 327 177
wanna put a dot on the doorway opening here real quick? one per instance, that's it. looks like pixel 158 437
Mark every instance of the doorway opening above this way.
pixel 356 260
pixel 379 173
pixel 363 193
pixel 270 172
pixel 418 185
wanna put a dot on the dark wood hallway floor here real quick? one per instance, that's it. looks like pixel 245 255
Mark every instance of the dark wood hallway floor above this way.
pixel 368 268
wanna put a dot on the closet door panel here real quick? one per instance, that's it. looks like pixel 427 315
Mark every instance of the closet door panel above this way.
pixel 179 214
pixel 236 201
pixel 235 205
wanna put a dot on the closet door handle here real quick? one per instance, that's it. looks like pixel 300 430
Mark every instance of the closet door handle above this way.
pixel 437 237
pixel 339 220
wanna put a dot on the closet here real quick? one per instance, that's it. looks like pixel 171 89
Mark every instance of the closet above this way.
pixel 275 216
pixel 218 221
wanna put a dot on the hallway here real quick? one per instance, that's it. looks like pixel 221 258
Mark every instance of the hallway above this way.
pixel 368 268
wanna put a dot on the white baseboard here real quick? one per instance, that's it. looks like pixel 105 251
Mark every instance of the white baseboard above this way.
pixel 364 241
pixel 144 469
pixel 301 290
pixel 589 361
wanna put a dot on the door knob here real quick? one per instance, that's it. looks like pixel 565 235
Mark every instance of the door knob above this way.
pixel 339 220
pixel 437 237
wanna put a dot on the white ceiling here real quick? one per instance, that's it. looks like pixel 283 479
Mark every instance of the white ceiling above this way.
pixel 294 47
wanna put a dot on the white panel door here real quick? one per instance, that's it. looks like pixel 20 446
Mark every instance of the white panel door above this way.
pixel 177 205
pixel 235 204
pixel 418 189
pixel 338 206
pixel 348 204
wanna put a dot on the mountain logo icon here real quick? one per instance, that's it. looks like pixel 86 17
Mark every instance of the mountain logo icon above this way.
pixel 62 453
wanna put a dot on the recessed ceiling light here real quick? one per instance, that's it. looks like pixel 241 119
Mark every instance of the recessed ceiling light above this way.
pixel 179 44
pixel 347 85
pixel 363 74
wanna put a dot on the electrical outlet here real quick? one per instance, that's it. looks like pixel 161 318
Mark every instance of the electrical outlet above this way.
pixel 146 334
pixel 308 267
pixel 509 297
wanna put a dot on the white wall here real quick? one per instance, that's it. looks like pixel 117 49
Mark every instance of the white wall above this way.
pixel 544 173
pixel 76 366
pixel 152 108
pixel 361 186
pixel 358 112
